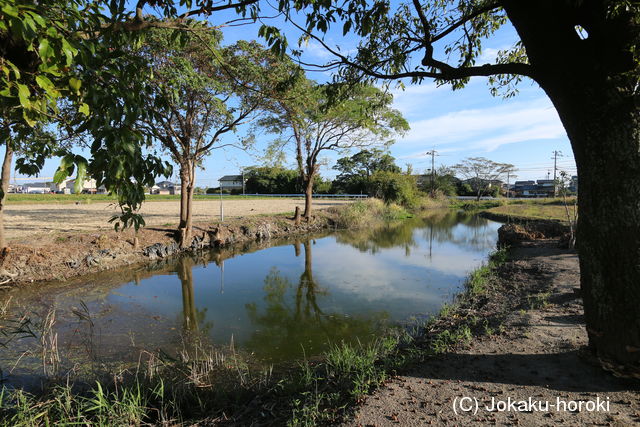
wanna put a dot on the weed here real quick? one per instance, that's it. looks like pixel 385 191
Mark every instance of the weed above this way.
pixel 538 301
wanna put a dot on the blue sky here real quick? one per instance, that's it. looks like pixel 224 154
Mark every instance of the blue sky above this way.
pixel 523 130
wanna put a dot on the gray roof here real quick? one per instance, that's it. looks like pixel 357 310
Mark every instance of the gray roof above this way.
pixel 231 178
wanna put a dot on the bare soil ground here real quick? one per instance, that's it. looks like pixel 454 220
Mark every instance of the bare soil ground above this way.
pixel 539 353
pixel 25 220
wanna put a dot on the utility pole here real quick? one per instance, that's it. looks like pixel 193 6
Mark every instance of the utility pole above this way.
pixel 433 153
pixel 556 154
pixel 221 207
pixel 243 181
pixel 508 188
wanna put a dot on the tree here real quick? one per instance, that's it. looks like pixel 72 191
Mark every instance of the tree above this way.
pixel 272 180
pixel 393 187
pixel 54 51
pixel 444 182
pixel 584 55
pixel 318 118
pixel 199 93
pixel 482 173
pixel 355 171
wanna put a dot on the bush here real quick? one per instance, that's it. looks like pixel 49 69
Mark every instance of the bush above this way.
pixel 394 187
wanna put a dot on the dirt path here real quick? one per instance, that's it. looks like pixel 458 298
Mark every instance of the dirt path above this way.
pixel 540 354
pixel 27 219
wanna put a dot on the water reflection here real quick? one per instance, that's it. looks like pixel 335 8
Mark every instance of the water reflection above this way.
pixel 283 330
pixel 281 302
pixel 460 228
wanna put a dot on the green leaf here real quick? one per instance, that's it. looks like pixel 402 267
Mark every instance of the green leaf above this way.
pixel 11 11
pixel 69 51
pixel 45 50
pixel 81 175
pixel 75 84
pixel 64 170
pixel 84 109
pixel 23 96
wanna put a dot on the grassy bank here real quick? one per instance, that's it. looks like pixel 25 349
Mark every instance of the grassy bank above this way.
pixel 211 385
pixel 371 211
pixel 531 209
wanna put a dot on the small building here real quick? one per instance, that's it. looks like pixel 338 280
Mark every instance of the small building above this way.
pixel 37 187
pixel 166 187
pixel 89 186
pixel 232 182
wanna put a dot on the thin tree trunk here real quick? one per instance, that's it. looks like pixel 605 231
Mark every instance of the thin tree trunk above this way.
pixel 4 186
pixel 187 178
pixel 185 274
pixel 308 197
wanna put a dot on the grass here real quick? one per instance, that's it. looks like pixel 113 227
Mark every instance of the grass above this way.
pixel 532 211
pixel 544 208
pixel 364 213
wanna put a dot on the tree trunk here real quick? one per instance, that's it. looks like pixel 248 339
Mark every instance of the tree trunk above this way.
pixel 308 197
pixel 185 274
pixel 593 85
pixel 4 187
pixel 606 142
pixel 187 181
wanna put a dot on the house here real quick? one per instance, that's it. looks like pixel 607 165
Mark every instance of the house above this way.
pixel 89 186
pixel 546 187
pixel 166 187
pixel 525 188
pixel 232 182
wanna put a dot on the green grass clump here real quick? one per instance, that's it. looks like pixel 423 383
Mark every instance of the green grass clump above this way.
pixel 364 213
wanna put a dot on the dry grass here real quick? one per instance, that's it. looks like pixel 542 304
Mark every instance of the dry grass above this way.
pixel 532 211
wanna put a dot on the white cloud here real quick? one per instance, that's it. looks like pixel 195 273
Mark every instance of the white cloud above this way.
pixel 485 129
pixel 410 100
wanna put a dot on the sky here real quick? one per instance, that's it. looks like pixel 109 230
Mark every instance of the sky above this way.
pixel 523 130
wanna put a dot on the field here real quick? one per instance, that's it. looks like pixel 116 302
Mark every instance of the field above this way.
pixel 27 217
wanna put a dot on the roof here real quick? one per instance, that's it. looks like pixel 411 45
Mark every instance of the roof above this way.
pixel 231 178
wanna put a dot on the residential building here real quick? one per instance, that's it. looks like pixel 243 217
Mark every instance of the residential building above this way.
pixel 232 182
pixel 546 187
pixel 166 187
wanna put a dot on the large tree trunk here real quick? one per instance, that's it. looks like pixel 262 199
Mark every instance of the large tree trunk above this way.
pixel 187 181
pixel 592 84
pixel 606 141
pixel 4 186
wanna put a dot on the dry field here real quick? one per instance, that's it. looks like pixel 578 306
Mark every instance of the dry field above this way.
pixel 26 220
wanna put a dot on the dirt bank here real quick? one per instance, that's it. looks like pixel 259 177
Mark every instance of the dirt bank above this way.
pixel 26 221
pixel 531 345
pixel 61 256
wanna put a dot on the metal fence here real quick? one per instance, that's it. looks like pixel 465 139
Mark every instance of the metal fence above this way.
pixel 295 196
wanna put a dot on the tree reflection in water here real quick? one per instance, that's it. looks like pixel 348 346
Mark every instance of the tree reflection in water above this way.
pixel 193 320
pixel 436 226
pixel 293 324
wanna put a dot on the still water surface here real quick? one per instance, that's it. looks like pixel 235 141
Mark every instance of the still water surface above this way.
pixel 289 300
